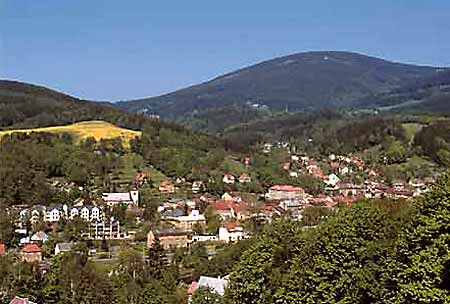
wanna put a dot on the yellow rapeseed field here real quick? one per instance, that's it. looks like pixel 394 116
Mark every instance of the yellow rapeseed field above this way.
pixel 85 129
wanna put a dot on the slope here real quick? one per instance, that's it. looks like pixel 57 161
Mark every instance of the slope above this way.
pixel 298 82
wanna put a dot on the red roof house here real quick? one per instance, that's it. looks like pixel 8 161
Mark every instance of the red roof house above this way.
pixel 31 253
pixel 2 249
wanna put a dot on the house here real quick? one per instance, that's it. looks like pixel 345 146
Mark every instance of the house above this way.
pixel 105 230
pixel 285 192
pixel 331 180
pixel 64 247
pixel 40 237
pixel 204 238
pixel 91 213
pixel 228 179
pixel 31 253
pixel 345 170
pixel 247 161
pixel 18 300
pixel 126 198
pixel 217 285
pixel 53 214
pixel 231 231
pixel 197 186
pixel 293 174
pixel 187 222
pixel 2 249
pixel 166 187
pixel 226 197
pixel 140 179
pixel 170 239
pixel 224 209
pixel 245 178
pixel 349 189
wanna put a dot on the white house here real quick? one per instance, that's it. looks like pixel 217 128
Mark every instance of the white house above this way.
pixel 231 232
pixel 63 247
pixel 197 186
pixel 331 180
pixel 53 214
pixel 127 198
pixel 228 179
pixel 39 236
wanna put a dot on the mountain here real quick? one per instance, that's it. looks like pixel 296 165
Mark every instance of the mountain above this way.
pixel 299 82
pixel 24 105
pixel 427 94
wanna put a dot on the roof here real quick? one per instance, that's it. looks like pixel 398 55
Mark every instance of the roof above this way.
pixel 193 288
pixel 64 247
pixel 288 188
pixel 222 205
pixel 31 248
pixel 216 284
pixel 170 232
pixel 18 300
pixel 117 197
pixel 2 249
pixel 39 236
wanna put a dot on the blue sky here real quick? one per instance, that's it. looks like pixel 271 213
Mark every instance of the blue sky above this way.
pixel 116 50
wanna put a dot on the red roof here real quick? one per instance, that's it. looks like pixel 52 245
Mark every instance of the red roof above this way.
pixel 193 288
pixel 287 188
pixel 227 205
pixel 18 300
pixel 31 248
pixel 2 249
pixel 222 205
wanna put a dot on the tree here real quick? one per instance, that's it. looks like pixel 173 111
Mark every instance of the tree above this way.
pixel 314 215
pixel 213 220
pixel 6 227
pixel 155 266
pixel 248 281
pixel 205 295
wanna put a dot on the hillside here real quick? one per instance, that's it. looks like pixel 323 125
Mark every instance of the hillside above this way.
pixel 428 94
pixel 303 81
pixel 82 130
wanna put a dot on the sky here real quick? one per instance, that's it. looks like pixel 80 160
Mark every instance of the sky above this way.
pixel 119 50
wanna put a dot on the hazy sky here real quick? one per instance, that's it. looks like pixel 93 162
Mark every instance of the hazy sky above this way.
pixel 115 49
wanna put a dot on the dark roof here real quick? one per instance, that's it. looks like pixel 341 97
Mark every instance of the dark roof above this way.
pixel 170 232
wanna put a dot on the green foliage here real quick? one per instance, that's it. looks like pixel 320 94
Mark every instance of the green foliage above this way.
pixel 314 215
pixel 213 221
pixel 206 296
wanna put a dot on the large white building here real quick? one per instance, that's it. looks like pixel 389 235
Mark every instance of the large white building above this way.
pixel 126 198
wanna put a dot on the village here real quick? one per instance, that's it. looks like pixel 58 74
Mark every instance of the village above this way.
pixel 202 216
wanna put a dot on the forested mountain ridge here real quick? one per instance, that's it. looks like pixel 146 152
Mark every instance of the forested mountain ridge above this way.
pixel 24 106
pixel 298 82
pixel 427 94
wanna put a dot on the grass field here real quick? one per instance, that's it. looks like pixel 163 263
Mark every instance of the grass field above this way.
pixel 85 129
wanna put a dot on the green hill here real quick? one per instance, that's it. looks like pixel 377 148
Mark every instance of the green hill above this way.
pixel 299 82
